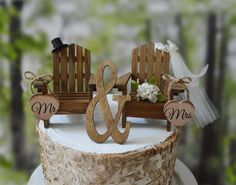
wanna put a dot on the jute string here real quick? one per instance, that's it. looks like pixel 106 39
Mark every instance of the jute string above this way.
pixel 45 79
pixel 173 80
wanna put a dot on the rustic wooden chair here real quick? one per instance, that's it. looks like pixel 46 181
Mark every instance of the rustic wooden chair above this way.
pixel 146 63
pixel 71 73
pixel 73 83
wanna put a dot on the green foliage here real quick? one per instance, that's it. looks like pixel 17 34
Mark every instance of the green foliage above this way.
pixel 153 80
pixel 28 43
pixel 161 98
pixel 10 176
pixel 134 85
pixel 4 20
pixel 230 173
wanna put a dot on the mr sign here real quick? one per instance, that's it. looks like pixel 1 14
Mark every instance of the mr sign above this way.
pixel 179 113
pixel 44 106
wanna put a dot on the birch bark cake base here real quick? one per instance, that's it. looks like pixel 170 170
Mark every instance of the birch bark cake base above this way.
pixel 69 157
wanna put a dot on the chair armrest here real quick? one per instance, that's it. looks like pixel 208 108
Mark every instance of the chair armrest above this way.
pixel 123 80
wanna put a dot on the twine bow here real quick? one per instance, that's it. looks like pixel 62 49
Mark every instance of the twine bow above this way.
pixel 173 80
pixel 45 79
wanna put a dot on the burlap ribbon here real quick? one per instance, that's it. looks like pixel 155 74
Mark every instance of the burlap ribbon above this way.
pixel 45 79
pixel 173 80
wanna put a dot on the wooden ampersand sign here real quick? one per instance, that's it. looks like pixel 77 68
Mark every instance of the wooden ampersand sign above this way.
pixel 178 113
pixel 43 106
pixel 100 97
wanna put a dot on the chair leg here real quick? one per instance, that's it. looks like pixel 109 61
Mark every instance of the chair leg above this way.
pixel 168 127
pixel 123 121
pixel 47 124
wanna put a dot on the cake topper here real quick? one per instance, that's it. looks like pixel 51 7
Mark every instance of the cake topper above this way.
pixel 178 113
pixel 57 44
pixel 205 111
pixel 45 105
pixel 110 122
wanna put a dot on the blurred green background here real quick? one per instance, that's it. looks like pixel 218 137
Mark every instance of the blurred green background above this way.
pixel 205 32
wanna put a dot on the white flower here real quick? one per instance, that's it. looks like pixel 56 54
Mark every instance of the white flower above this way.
pixel 148 91
pixel 152 98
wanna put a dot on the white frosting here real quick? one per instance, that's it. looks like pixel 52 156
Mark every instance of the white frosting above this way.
pixel 70 131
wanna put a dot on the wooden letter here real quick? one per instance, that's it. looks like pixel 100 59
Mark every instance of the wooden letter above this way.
pixel 100 97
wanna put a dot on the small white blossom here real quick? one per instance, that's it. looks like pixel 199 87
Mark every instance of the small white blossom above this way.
pixel 148 91
pixel 152 98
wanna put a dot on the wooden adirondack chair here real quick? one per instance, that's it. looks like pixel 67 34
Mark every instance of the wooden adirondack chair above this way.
pixel 146 63
pixel 71 73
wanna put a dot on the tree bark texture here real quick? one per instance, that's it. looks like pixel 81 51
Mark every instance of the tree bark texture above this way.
pixel 16 105
pixel 152 165
pixel 209 148
pixel 211 170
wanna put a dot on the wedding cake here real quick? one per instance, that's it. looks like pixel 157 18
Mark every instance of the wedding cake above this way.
pixel 69 157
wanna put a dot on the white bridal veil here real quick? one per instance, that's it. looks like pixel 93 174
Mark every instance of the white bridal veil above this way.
pixel 205 111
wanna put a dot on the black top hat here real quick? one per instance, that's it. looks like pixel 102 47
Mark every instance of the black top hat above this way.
pixel 57 44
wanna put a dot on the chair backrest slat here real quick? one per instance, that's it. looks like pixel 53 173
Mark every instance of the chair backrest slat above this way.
pixel 71 72
pixel 142 63
pixel 87 67
pixel 56 72
pixel 148 62
pixel 71 68
pixel 63 61
pixel 158 66
pixel 151 56
pixel 165 71
pixel 79 68
pixel 135 62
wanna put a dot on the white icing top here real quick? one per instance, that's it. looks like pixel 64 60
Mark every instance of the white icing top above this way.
pixel 70 131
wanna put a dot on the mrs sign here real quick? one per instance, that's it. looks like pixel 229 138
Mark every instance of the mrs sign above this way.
pixel 179 113
pixel 44 106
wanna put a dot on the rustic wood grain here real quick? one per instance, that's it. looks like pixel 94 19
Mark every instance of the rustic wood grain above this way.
pixel 158 66
pixel 165 70
pixel 63 61
pixel 71 68
pixel 150 60
pixel 56 72
pixel 87 67
pixel 100 97
pixel 135 62
pixel 79 68
pixel 142 63
pixel 69 79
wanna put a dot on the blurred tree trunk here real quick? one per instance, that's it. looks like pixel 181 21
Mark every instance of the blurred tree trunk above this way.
pixel 16 106
pixel 220 86
pixel 232 151
pixel 209 173
pixel 221 125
